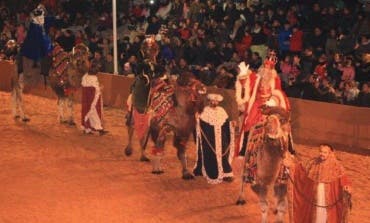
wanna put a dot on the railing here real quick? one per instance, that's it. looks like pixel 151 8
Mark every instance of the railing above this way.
pixel 312 122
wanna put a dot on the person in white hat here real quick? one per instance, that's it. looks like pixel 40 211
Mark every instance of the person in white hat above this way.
pixel 215 142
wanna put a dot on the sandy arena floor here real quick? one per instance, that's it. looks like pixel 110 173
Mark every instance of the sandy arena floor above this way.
pixel 53 173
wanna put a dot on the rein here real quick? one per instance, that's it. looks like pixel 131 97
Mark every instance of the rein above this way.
pixel 210 145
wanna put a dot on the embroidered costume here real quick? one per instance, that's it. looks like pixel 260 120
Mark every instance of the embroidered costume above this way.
pixel 253 91
pixel 37 43
pixel 215 144
pixel 318 191
pixel 11 54
pixel 92 104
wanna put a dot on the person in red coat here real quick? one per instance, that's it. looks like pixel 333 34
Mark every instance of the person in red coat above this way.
pixel 92 102
pixel 253 92
pixel 296 40
pixel 321 189
pixel 256 90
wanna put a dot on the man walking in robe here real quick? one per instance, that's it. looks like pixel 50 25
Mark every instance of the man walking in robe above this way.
pixel 92 103
pixel 321 189
pixel 215 143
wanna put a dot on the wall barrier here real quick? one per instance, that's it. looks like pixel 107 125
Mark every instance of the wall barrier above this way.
pixel 312 122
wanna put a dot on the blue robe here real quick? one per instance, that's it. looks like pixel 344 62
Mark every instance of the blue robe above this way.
pixel 37 43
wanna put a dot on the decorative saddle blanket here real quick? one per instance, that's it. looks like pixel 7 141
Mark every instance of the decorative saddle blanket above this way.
pixel 162 100
pixel 255 142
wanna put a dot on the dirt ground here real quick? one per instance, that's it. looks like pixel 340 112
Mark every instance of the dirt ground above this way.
pixel 53 173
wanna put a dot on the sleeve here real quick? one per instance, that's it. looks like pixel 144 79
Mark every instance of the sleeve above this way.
pixel 345 181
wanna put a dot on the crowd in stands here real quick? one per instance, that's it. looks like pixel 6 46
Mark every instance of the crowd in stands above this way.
pixel 323 46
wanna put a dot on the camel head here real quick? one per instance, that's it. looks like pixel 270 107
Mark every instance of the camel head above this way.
pixel 80 60
pixel 196 92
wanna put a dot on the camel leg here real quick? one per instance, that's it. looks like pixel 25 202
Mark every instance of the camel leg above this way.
pixel 130 132
pixel 158 151
pixel 179 143
pixel 69 105
pixel 17 100
pixel 241 199
pixel 262 195
pixel 156 162
pixel 281 205
pixel 143 143
pixel 15 103
pixel 61 110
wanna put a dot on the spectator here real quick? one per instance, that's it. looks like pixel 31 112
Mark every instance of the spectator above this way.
pixel 180 67
pixel 327 92
pixel 259 40
pixel 314 19
pixel 321 68
pixel 348 70
pixel 363 99
pixel 99 60
pixel 363 46
pixel 166 53
pixel 154 26
pixel 228 50
pixel 317 40
pixel 212 54
pixel 285 70
pixel 108 66
pixel 224 78
pixel 333 69
pixel 206 74
pixel 255 62
pixel 346 43
pixel 20 34
pixel 296 71
pixel 296 40
pixel 93 44
pixel 284 36
pixel 331 45
pixel 244 44
pixel 350 93
pixel 105 47
pixel 310 89
pixel 308 62
pixel 80 37
pixel 363 71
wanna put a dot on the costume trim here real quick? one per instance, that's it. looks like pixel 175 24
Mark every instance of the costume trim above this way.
pixel 92 115
pixel 217 121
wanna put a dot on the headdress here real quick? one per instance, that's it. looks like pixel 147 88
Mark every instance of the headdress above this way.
pixel 244 70
pixel 270 60
pixel 38 14
pixel 215 97
pixel 11 49
pixel 11 43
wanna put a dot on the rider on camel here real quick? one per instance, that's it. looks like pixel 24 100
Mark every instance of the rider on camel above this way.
pixel 255 90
